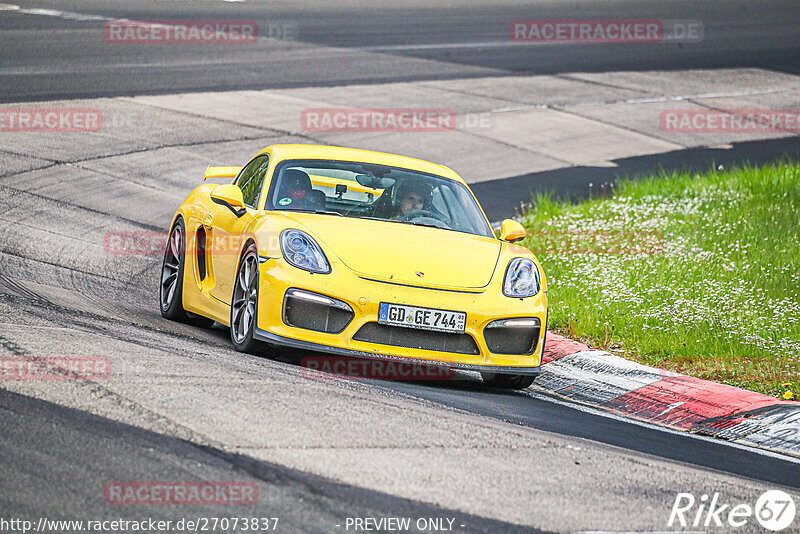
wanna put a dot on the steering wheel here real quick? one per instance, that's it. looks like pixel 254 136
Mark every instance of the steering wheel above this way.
pixel 426 217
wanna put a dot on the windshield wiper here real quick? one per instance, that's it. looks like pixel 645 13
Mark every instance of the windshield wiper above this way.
pixel 426 224
pixel 324 212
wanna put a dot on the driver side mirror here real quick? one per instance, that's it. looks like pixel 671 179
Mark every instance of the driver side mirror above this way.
pixel 230 196
pixel 512 231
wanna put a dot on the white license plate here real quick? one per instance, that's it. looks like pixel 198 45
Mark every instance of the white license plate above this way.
pixel 423 318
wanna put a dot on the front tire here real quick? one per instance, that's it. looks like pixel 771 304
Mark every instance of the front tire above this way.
pixel 244 302
pixel 503 381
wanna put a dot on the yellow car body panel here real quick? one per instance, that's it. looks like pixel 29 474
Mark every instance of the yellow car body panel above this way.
pixel 371 262
pixel 399 253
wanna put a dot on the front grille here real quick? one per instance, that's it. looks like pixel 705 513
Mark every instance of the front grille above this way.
pixel 413 338
pixel 502 339
pixel 301 311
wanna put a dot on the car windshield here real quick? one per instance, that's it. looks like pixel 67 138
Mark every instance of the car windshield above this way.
pixel 367 190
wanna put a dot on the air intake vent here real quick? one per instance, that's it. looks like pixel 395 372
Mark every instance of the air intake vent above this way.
pixel 312 311
pixel 201 253
pixel 416 339
pixel 512 336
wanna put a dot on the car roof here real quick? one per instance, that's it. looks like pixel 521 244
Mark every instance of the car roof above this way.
pixel 294 151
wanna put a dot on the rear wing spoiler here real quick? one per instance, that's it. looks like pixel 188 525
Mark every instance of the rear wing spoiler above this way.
pixel 221 172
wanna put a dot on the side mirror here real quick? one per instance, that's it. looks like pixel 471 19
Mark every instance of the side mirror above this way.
pixel 230 196
pixel 512 231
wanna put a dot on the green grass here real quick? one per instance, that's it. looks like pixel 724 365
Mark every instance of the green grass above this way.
pixel 698 274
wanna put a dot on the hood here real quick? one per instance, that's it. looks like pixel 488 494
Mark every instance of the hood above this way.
pixel 404 253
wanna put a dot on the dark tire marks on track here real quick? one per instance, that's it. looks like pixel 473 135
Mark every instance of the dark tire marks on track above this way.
pixel 84 452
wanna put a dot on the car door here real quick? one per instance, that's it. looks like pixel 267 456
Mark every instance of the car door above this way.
pixel 227 228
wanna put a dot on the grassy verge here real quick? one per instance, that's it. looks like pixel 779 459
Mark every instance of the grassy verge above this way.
pixel 698 274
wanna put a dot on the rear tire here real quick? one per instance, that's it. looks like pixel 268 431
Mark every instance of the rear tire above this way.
pixel 170 293
pixel 503 381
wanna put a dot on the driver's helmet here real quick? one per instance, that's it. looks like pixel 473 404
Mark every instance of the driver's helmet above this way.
pixel 416 190
pixel 294 184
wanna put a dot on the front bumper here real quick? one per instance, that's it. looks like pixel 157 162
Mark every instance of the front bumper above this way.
pixel 263 335
pixel 364 297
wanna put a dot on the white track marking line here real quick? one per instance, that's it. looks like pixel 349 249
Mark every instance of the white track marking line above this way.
pixel 445 46
pixel 647 100
pixel 672 407
pixel 68 15
pixel 602 413
pixel 640 532
pixel 698 96
pixel 8 7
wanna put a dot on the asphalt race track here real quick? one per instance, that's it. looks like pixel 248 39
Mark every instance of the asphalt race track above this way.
pixel 44 55
pixel 181 404
pixel 303 502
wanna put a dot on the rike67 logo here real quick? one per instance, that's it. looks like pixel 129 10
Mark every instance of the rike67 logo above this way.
pixel 774 510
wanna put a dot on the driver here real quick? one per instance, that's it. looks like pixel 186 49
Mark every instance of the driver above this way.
pixel 294 186
pixel 411 196
pixel 295 192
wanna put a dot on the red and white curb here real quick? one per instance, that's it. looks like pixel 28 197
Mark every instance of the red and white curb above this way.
pixel 600 379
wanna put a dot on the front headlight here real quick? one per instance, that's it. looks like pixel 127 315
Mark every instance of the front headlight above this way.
pixel 300 250
pixel 522 279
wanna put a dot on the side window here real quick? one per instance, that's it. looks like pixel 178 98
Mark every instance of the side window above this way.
pixel 251 179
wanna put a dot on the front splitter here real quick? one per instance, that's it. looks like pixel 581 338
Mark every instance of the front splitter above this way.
pixel 268 337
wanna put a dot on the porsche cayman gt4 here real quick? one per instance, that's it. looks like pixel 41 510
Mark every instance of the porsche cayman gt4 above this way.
pixel 356 253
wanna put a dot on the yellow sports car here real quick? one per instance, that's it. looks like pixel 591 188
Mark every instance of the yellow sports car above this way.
pixel 356 253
